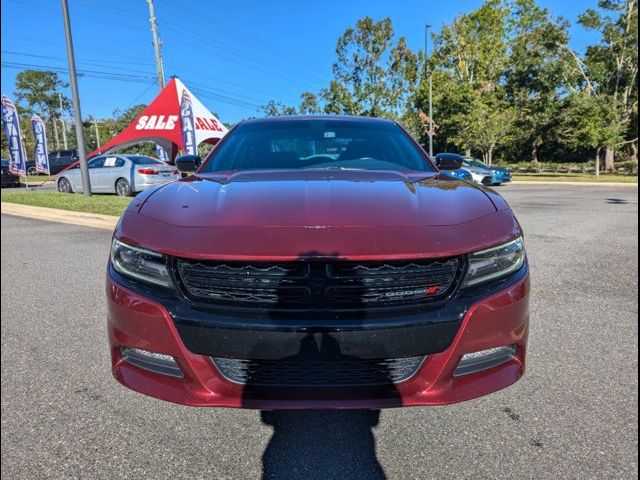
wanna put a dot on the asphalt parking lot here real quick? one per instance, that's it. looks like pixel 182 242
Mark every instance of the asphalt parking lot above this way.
pixel 574 414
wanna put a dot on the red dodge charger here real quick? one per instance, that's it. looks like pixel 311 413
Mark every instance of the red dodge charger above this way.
pixel 317 262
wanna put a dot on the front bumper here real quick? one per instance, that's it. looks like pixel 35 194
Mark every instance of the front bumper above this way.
pixel 470 324
pixel 501 177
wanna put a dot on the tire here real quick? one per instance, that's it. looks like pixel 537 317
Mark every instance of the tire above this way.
pixel 123 188
pixel 64 186
pixel 31 171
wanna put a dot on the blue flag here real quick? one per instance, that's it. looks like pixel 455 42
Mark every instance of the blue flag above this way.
pixel 162 154
pixel 41 156
pixel 188 127
pixel 17 162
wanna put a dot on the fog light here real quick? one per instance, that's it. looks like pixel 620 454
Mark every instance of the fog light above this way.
pixel 485 359
pixel 153 362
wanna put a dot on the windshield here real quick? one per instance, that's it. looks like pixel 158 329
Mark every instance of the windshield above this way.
pixel 472 162
pixel 317 144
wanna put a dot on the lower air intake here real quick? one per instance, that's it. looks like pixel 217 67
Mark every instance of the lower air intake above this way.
pixel 318 373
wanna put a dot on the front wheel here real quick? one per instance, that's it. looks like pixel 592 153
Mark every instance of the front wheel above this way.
pixel 64 186
pixel 32 171
pixel 123 188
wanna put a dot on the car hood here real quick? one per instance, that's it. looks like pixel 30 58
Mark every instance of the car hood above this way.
pixel 317 199
pixel 278 216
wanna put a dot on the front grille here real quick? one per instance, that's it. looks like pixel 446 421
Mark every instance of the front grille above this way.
pixel 341 372
pixel 317 284
pixel 487 180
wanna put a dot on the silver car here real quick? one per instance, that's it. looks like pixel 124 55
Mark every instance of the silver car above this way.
pixel 124 175
pixel 478 173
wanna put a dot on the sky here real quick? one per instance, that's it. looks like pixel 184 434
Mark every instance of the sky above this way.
pixel 234 55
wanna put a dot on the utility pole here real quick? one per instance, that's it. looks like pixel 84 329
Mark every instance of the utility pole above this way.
pixel 64 124
pixel 157 44
pixel 82 154
pixel 95 126
pixel 428 70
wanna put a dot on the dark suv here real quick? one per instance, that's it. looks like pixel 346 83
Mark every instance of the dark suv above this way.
pixel 61 159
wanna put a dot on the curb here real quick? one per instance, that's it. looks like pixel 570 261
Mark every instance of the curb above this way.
pixel 92 220
pixel 586 184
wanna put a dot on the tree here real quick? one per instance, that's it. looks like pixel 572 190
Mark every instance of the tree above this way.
pixel 468 63
pixel 39 92
pixel 586 120
pixel 488 123
pixel 613 63
pixel 309 104
pixel 540 70
pixel 452 107
pixel 275 108
pixel 338 100
pixel 372 75
pixel 473 48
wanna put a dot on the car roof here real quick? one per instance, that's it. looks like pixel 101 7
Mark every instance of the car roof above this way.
pixel 288 118
pixel 123 155
pixel 449 155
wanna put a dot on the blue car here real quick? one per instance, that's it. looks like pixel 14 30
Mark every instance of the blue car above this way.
pixel 459 174
pixel 500 175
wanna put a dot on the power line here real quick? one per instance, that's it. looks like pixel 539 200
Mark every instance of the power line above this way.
pixel 38 41
pixel 201 75
pixel 144 92
pixel 219 93
pixel 219 54
pixel 235 99
pixel 293 75
pixel 79 15
pixel 86 62
pixel 223 50
pixel 253 41
pixel 131 79
pixel 81 72
pixel 176 68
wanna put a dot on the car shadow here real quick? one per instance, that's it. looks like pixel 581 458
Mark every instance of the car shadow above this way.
pixel 318 444
pixel 321 444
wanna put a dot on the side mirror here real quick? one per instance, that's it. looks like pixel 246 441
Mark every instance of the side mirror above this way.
pixel 449 163
pixel 188 163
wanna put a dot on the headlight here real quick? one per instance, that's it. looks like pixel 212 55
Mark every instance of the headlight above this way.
pixel 495 262
pixel 141 264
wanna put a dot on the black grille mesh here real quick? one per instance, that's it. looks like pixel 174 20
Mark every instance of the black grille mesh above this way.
pixel 319 284
pixel 318 373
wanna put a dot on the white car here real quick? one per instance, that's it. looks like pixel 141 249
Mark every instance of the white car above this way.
pixel 124 175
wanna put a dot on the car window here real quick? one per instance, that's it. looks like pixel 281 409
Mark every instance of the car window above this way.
pixel 119 163
pixel 110 161
pixel 478 163
pixel 96 162
pixel 142 160
pixel 5 163
pixel 317 144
